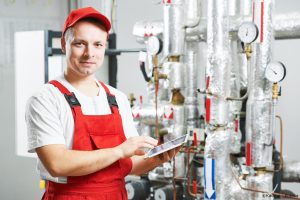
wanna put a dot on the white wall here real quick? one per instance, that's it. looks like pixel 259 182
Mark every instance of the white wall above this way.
pixel 287 51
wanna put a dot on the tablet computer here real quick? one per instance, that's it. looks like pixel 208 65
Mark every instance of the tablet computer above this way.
pixel 166 146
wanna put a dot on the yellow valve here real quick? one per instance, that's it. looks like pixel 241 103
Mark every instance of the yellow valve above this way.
pixel 42 184
pixel 275 91
pixel 248 51
pixel 131 99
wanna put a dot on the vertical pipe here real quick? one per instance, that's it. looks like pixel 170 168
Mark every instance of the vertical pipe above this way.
pixel 218 141
pixel 218 59
pixel 173 27
pixel 258 117
pixel 259 104
pixel 191 101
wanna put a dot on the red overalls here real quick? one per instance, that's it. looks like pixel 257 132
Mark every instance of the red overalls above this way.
pixel 93 132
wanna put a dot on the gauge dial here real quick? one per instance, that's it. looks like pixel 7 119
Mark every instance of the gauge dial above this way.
pixel 275 72
pixel 154 45
pixel 248 32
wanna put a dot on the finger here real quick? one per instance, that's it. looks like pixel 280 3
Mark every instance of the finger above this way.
pixel 171 153
pixel 151 140
pixel 139 152
pixel 146 145
pixel 177 149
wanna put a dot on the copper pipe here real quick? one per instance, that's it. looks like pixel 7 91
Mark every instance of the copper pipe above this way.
pixel 173 179
pixel 188 173
pixel 281 146
pixel 281 140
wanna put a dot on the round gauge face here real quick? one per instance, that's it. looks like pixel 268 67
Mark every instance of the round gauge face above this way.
pixel 275 72
pixel 154 45
pixel 248 32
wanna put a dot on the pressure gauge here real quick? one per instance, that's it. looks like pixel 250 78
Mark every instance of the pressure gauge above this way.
pixel 154 45
pixel 248 32
pixel 275 72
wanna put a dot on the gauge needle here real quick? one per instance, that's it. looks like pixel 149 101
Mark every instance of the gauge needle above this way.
pixel 274 71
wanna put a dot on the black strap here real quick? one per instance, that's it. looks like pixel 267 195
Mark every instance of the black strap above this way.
pixel 72 100
pixel 112 100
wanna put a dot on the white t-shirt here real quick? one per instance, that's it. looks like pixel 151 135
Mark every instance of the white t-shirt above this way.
pixel 50 121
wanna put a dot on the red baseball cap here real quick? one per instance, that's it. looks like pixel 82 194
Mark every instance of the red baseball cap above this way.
pixel 82 13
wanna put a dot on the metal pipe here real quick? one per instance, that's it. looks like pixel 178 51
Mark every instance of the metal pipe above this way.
pixel 192 13
pixel 291 171
pixel 286 26
pixel 173 28
pixel 191 100
pixel 259 101
pixel 218 60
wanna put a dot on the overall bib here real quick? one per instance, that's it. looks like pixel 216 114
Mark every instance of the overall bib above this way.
pixel 93 132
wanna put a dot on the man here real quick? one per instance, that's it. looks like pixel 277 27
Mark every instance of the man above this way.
pixel 82 129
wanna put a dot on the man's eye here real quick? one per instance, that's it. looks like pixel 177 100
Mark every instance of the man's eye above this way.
pixel 99 45
pixel 79 44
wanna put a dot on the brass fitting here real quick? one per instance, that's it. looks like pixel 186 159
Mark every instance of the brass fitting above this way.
pixel 275 91
pixel 177 97
pixel 260 171
pixel 131 99
pixel 174 59
pixel 248 51
pixel 156 73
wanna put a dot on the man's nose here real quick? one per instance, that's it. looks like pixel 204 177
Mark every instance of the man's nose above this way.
pixel 89 52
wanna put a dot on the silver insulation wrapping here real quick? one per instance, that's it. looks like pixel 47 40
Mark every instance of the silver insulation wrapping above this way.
pixel 218 59
pixel 287 26
pixel 174 28
pixel 175 71
pixel 147 114
pixel 291 171
pixel 218 147
pixel 262 182
pixel 191 100
pixel 192 13
pixel 258 130
pixel 143 29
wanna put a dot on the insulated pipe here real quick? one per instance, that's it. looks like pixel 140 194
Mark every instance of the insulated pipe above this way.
pixel 173 27
pixel 144 29
pixel 218 67
pixel 259 104
pixel 235 106
pixel 218 141
pixel 286 26
pixel 262 182
pixel 218 147
pixel 192 8
pixel 239 8
pixel 291 171
pixel 147 114
pixel 191 100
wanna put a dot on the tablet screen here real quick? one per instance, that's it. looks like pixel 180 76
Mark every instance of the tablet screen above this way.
pixel 166 146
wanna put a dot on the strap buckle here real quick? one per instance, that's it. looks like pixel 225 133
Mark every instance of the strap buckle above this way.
pixel 112 100
pixel 72 100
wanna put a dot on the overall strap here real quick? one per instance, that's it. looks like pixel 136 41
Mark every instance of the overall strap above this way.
pixel 70 97
pixel 111 99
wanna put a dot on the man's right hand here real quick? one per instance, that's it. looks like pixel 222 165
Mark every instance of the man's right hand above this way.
pixel 135 145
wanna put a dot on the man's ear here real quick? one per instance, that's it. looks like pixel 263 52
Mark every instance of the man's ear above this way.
pixel 63 44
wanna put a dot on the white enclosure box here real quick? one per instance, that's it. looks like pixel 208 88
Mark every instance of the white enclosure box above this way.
pixel 33 68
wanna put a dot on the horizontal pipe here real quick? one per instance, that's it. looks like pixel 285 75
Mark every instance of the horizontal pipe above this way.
pixel 291 171
pixel 286 26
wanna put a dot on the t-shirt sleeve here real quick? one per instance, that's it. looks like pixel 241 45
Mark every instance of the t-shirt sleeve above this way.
pixel 43 124
pixel 126 114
